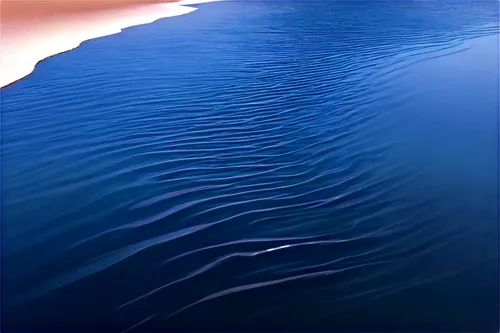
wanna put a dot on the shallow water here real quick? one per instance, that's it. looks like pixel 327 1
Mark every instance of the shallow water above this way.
pixel 259 165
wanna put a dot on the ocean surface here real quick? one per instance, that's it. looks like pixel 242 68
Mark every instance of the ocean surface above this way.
pixel 259 165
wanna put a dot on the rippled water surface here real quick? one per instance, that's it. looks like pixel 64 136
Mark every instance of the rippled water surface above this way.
pixel 259 165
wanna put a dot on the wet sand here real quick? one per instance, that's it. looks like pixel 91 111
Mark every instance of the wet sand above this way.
pixel 35 30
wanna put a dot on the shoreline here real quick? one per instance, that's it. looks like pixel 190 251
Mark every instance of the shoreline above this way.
pixel 28 40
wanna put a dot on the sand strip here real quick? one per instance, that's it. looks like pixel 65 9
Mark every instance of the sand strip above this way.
pixel 35 30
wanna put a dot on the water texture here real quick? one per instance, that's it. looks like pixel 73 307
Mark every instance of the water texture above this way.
pixel 259 165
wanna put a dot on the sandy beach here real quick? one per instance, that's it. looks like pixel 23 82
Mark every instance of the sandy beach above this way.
pixel 35 30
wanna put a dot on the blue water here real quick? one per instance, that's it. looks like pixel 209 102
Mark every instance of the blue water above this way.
pixel 259 165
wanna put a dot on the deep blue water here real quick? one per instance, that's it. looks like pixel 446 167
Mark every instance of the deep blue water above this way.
pixel 259 165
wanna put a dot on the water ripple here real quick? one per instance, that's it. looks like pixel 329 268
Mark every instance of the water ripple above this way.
pixel 264 159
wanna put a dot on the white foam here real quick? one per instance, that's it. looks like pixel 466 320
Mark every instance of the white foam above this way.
pixel 21 50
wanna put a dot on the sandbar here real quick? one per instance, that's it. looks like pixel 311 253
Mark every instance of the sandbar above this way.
pixel 35 30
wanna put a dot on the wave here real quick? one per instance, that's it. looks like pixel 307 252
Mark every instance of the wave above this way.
pixel 266 159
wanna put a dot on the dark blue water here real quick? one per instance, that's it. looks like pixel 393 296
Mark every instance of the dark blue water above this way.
pixel 259 165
